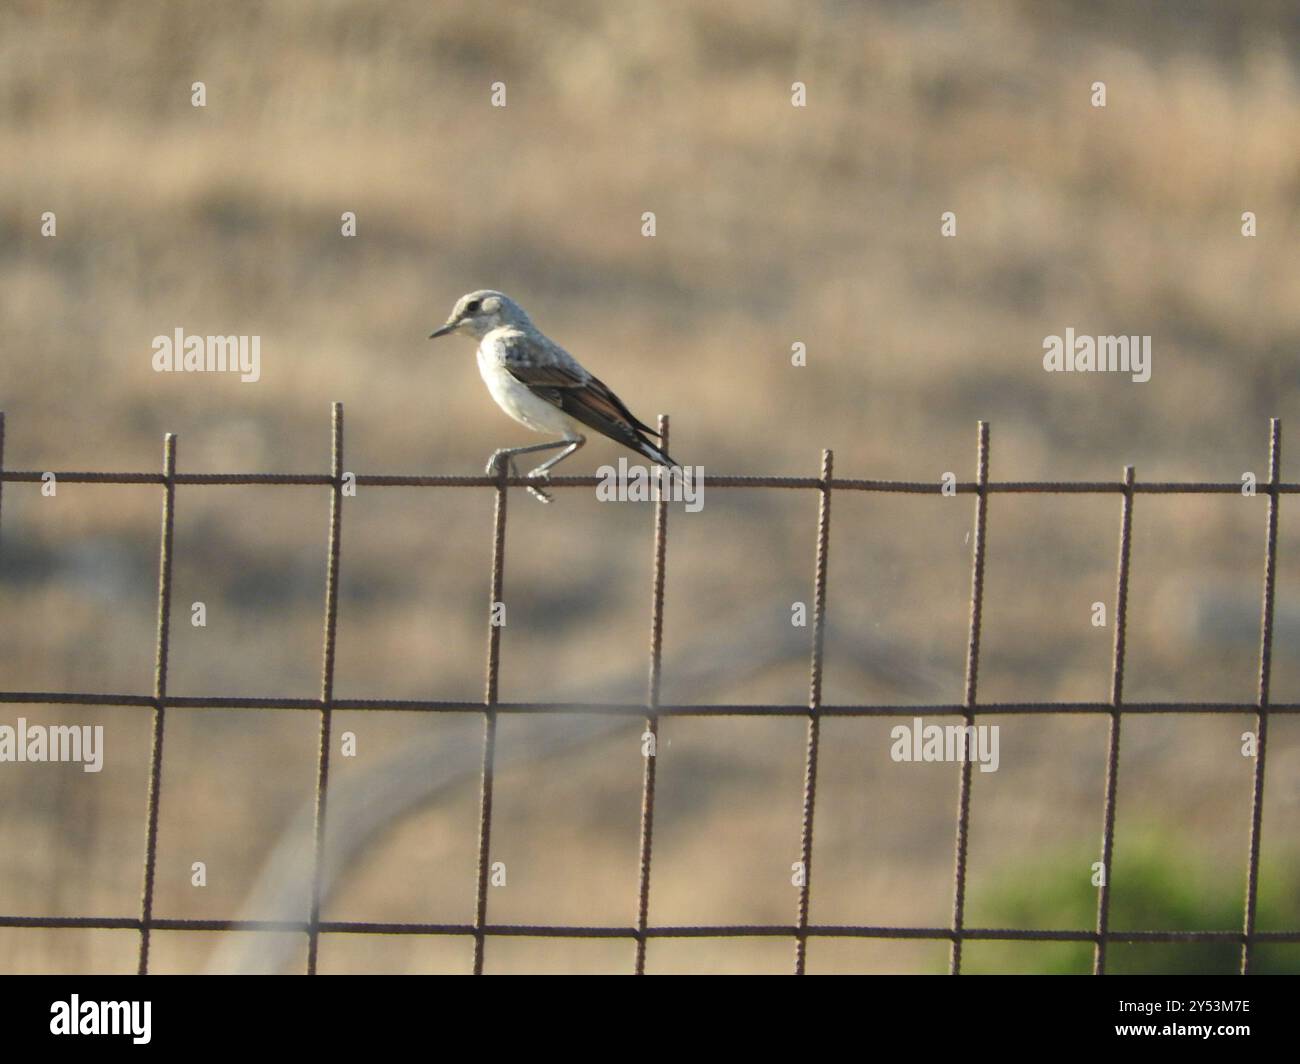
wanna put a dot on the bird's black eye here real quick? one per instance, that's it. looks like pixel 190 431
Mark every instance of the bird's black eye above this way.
pixel 472 306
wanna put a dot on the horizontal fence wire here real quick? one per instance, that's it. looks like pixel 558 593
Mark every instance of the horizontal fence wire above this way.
pixel 653 710
pixel 639 709
pixel 910 487
pixel 791 931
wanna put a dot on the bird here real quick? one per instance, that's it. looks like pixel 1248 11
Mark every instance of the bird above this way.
pixel 543 387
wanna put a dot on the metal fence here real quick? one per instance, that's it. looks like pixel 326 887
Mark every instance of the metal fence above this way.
pixel 956 934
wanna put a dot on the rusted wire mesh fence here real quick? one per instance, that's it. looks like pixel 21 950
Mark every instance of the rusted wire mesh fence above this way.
pixel 801 929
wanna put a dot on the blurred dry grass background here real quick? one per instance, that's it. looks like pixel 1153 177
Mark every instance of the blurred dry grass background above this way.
pixel 775 225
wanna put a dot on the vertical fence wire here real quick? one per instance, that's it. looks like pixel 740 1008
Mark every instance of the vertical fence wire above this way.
pixel 652 718
pixel 972 676
pixel 490 698
pixel 814 708
pixel 1116 711
pixel 159 694
pixel 1265 670
pixel 327 678
pixel 2 453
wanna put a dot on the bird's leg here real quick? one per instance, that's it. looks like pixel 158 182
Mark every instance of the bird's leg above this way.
pixel 508 454
pixel 542 472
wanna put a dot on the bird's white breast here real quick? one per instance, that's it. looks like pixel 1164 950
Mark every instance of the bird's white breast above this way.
pixel 515 398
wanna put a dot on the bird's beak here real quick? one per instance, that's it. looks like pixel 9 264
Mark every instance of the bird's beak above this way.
pixel 444 330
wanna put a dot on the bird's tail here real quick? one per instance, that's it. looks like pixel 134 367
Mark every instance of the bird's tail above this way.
pixel 656 454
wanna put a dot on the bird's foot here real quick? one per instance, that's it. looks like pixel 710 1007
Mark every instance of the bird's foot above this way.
pixel 536 490
pixel 494 463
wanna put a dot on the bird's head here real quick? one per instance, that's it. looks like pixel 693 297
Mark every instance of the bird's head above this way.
pixel 478 313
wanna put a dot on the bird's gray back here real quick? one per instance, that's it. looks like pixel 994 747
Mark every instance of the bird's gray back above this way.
pixel 534 356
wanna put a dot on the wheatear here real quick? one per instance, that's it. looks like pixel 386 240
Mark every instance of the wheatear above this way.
pixel 541 385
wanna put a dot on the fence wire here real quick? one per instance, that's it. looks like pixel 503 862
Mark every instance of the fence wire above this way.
pixel 956 934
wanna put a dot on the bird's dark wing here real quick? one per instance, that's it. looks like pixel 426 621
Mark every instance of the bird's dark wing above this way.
pixel 552 374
